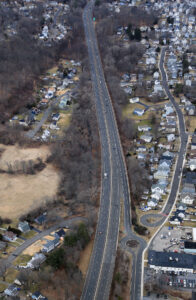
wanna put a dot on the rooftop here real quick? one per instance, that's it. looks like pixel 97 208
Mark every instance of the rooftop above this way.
pixel 172 259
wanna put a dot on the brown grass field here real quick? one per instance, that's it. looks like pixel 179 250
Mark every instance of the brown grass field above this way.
pixel 20 193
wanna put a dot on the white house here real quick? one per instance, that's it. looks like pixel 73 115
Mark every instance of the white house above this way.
pixel 134 100
pixel 141 156
pixel 138 112
pixel 36 261
pixel 169 111
pixel 156 196
pixel 156 75
pixel 141 149
pixel 12 290
pixel 146 137
pixel 171 137
pixel 161 174
pixel 187 198
pixel 192 164
pixel 144 128
pixel 50 245
pixel 157 188
pixel 150 61
pixel 175 220
pixel 152 202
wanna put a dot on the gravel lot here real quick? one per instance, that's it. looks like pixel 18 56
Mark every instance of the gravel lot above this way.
pixel 171 240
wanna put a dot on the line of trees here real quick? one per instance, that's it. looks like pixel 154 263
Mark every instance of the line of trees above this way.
pixel 118 59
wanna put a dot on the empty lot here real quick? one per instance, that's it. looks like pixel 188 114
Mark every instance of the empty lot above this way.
pixel 20 193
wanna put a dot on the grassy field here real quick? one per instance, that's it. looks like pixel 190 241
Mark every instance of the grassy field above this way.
pixel 20 192
pixel 2 287
pixel 128 112
pixel 192 121
pixel 29 234
pixel 10 275
pixel 22 260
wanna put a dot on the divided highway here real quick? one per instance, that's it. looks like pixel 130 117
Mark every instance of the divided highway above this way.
pixel 114 184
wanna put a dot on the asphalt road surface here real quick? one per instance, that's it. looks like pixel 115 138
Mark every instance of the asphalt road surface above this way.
pixel 182 152
pixel 115 183
pixel 69 222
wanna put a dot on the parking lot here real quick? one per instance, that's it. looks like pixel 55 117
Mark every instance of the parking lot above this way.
pixel 182 282
pixel 170 239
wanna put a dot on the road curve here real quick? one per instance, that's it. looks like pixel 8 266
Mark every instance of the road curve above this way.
pixel 100 272
pixel 181 154
pixel 68 222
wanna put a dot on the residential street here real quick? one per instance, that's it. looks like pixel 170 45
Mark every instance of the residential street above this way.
pixel 8 261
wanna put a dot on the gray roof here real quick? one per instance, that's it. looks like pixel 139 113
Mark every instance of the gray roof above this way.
pixel 172 259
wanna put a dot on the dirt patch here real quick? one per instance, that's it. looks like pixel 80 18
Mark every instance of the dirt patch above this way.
pixel 13 154
pixel 23 193
pixel 35 248
pixel 85 258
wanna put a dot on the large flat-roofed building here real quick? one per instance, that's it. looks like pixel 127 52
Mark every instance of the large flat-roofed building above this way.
pixel 189 247
pixel 194 234
pixel 171 261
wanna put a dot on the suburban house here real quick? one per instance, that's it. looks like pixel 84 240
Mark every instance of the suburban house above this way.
pixel 44 102
pixel 40 219
pixel 24 226
pixel 193 143
pixel 167 154
pixel 60 233
pixel 36 261
pixel 161 174
pixel 165 163
pixel 171 261
pixel 152 202
pixel 144 128
pixel 146 137
pixel 50 245
pixel 158 188
pixel 156 196
pixel 38 296
pixel 134 100
pixel 171 137
pixel 11 291
pixel 187 198
pixel 190 110
pixel 138 111
pixel 175 220
pixel 54 126
pixel 50 93
pixel 9 236
pixel 188 188
pixel 180 213
pixel 190 177
pixel 181 206
pixel 141 149
pixel 141 156
pixel 192 164
pixel 55 117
